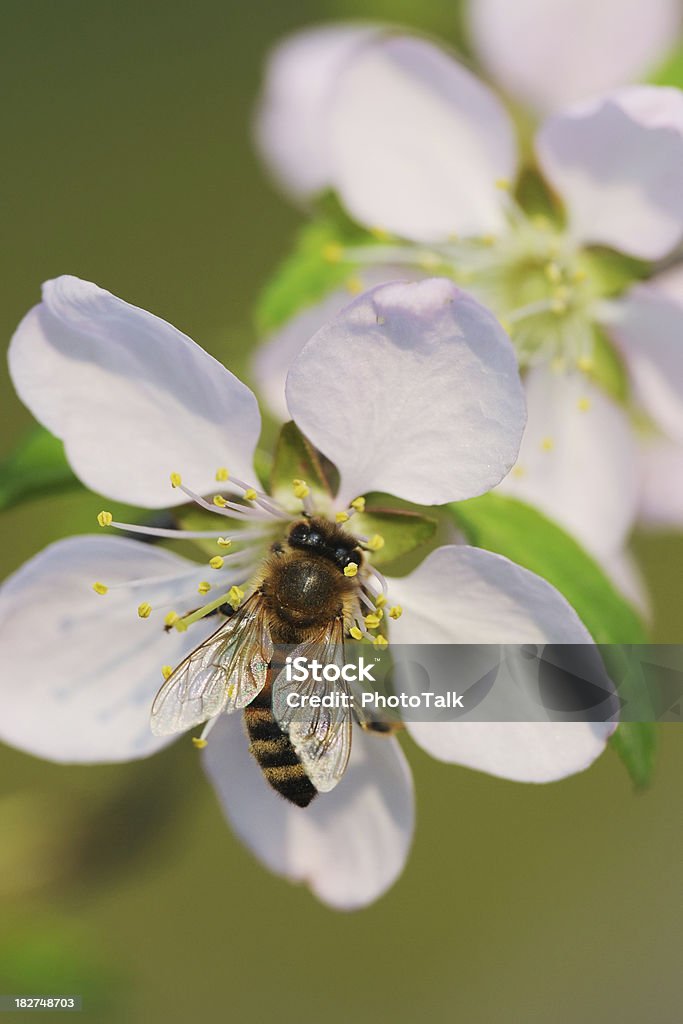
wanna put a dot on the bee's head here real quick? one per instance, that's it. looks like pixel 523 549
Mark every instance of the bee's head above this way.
pixel 327 540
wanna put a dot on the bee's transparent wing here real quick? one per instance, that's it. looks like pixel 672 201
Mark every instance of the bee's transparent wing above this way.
pixel 224 673
pixel 320 736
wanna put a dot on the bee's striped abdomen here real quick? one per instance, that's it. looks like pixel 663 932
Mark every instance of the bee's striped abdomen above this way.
pixel 275 754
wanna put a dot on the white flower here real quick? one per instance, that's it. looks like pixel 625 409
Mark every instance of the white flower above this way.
pixel 421 149
pixel 551 52
pixel 414 390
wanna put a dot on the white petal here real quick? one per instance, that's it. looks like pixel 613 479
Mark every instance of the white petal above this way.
pixel 648 326
pixel 292 119
pixel 661 470
pixel 552 52
pixel 349 846
pixel 617 163
pixel 577 462
pixel 273 359
pixel 463 595
pixel 133 399
pixel 80 670
pixel 418 143
pixel 413 390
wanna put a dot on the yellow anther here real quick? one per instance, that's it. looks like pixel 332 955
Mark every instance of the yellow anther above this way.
pixel 180 626
pixel 231 691
pixel 519 472
pixel 235 595
pixel 579 275
pixel 358 504
pixel 376 542
pixel 342 517
pixel 100 588
pixel 541 222
pixel 380 601
pixel 354 286
pixel 222 474
pixel 553 272
pixel 144 610
pixel 504 184
pixel 250 494
pixel 204 587
pixel 547 444
pixel 583 404
pixel 224 542
pixel 351 570
pixel 380 641
pixel 381 234
pixel 300 488
pixel 585 364
pixel 395 612
pixel 216 562
pixel 333 252
pixel 166 671
pixel 198 742
pixel 176 479
pixel 171 618
pixel 356 633
pixel 219 500
pixel 373 620
pixel 105 518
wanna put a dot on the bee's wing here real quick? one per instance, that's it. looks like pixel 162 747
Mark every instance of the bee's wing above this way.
pixel 320 736
pixel 224 673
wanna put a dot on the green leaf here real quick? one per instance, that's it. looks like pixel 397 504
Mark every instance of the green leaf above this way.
pixel 296 458
pixel 401 530
pixel 671 72
pixel 521 533
pixel 35 468
pixel 524 535
pixel 315 267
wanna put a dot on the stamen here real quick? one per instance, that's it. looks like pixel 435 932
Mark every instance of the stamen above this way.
pixel 547 444
pixel 380 641
pixel 100 588
pixel 105 518
pixel 373 621
pixel 342 517
pixel 166 671
pixel 172 534
pixel 201 740
pixel 351 570
pixel 356 633
pixel 144 610
pixel 358 504
pixel 222 474
pixel 216 562
pixel 396 611
pixel 375 543
pixel 171 618
pixel 380 601
pixel 204 587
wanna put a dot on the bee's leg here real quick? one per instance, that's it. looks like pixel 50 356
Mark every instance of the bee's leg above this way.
pixel 380 726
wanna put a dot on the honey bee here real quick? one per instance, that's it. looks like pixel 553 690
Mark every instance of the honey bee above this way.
pixel 302 603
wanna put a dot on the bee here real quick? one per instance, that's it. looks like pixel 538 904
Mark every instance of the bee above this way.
pixel 302 603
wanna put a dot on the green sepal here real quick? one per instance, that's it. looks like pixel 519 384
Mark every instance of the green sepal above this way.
pixel 297 459
pixel 402 530
pixel 521 533
pixel 36 467
pixel 608 369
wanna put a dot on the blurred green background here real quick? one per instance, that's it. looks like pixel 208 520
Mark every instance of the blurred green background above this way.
pixel 127 161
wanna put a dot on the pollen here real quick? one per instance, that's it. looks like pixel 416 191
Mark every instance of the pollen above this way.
pixel 171 618
pixel 547 444
pixel 105 518
pixel 380 641
pixel 376 542
pixel 356 633
pixel 222 474
pixel 166 671
pixel 100 588
pixel 351 570
pixel 176 479
pixel 300 488
pixel 144 610
pixel 204 587
pixel 216 562
pixel 583 404
pixel 380 601
pixel 395 612
pixel 219 501
pixel 358 504
pixel 198 742
pixel 224 542
pixel 230 692
pixel 342 517
pixel 333 252
pixel 235 595
pixel 373 620
pixel 250 494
